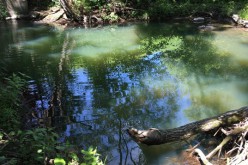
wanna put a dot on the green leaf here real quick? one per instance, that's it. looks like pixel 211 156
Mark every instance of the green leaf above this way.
pixel 1 136
pixel 39 151
pixel 59 161
pixel 74 157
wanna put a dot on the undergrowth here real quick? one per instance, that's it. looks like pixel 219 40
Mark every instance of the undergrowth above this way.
pixel 35 146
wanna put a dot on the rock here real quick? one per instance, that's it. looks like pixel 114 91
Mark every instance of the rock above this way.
pixel 54 9
pixel 65 16
pixel 206 27
pixel 53 17
pixel 239 21
pixel 198 20
pixel 243 22
pixel 235 18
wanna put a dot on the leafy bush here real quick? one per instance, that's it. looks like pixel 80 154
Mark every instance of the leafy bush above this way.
pixel 86 157
pixel 10 92
pixel 162 9
pixel 39 146
pixel 36 146
pixel 244 12
pixel 30 147
pixel 82 6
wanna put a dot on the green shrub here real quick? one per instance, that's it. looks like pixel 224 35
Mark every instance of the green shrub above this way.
pixel 244 12
pixel 32 146
pixel 10 91
pixel 36 146
pixel 39 146
pixel 82 6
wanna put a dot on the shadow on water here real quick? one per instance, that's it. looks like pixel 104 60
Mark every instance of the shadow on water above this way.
pixel 92 84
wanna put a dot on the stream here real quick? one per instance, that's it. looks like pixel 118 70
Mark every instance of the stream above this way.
pixel 103 80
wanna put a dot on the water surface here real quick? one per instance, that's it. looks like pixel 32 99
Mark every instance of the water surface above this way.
pixel 92 84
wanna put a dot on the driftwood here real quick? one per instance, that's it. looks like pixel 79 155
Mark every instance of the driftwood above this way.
pixel 155 136
pixel 236 139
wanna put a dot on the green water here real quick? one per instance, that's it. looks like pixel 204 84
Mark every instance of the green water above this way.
pixel 98 82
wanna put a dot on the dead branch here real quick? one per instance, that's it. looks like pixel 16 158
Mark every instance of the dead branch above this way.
pixel 202 156
pixel 219 147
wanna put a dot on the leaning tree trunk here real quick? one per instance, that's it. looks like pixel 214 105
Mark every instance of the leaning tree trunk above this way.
pixel 67 6
pixel 155 136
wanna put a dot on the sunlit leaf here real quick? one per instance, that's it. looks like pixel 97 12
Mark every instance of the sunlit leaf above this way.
pixel 39 151
pixel 74 156
pixel 59 161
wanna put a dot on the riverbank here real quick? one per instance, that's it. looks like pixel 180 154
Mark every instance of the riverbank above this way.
pixel 92 14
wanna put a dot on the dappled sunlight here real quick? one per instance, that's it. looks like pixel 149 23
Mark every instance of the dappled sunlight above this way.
pixel 36 42
pixel 234 43
pixel 160 87
pixel 94 42
pixel 214 96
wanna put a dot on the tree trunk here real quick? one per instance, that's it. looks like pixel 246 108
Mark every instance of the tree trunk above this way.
pixel 17 8
pixel 155 136
pixel 66 5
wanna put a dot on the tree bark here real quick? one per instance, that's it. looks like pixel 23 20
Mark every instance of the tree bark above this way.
pixel 154 136
pixel 68 10
pixel 17 8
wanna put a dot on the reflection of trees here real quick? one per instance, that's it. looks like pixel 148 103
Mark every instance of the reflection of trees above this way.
pixel 121 99
pixel 208 66
pixel 112 96
pixel 101 96
pixel 198 63
pixel 31 55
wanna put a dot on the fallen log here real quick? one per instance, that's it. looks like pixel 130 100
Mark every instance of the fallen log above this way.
pixel 154 136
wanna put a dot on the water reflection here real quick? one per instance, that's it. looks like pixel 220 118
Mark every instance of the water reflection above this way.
pixel 94 83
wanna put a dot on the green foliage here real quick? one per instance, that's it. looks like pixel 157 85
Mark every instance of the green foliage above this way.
pixel 40 144
pixel 111 17
pixel 59 161
pixel 162 9
pixel 91 156
pixel 160 44
pixel 54 3
pixel 32 146
pixel 3 11
pixel 86 157
pixel 81 6
pixel 10 92
pixel 244 12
